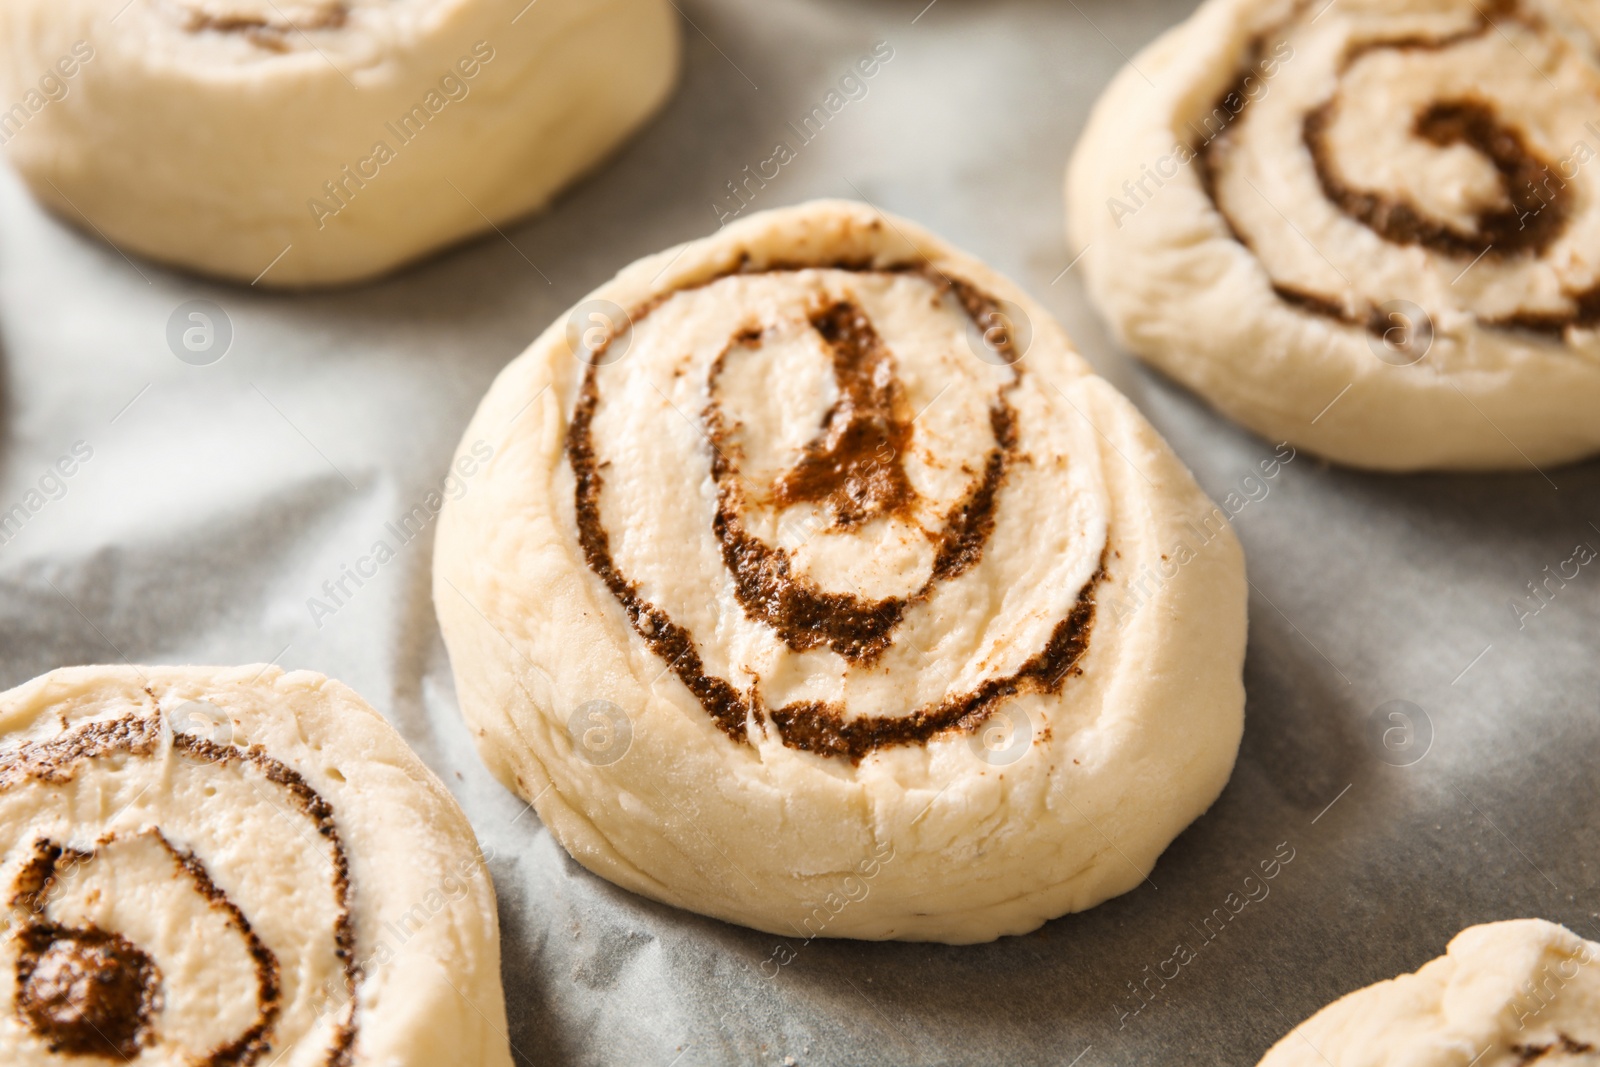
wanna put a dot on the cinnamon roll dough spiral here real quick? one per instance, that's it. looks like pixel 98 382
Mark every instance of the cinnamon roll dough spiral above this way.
pixel 314 142
pixel 1505 994
pixel 233 866
pixel 1370 228
pixel 781 598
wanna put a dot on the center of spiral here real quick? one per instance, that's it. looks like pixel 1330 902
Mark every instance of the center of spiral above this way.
pixel 855 464
pixel 1532 214
pixel 87 992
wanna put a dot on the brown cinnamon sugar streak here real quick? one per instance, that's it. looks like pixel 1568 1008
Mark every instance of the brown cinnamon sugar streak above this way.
pixel 1563 1045
pixel 264 32
pixel 1527 225
pixel 87 991
pixel 853 466
pixel 819 728
pixel 332 17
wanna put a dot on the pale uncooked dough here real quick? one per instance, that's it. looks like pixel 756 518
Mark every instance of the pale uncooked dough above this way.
pixel 765 702
pixel 318 141
pixel 296 881
pixel 1505 994
pixel 1370 228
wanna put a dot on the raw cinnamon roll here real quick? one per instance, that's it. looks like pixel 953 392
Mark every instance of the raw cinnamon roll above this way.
pixel 1505 994
pixel 1365 227
pixel 800 592
pixel 306 142
pixel 231 867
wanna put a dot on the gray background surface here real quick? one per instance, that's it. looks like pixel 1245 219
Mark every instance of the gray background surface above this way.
pixel 219 498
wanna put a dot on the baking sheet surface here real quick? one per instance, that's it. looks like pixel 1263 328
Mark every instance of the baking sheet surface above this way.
pixel 215 501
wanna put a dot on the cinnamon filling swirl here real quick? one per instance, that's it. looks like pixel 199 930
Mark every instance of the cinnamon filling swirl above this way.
pixel 1532 207
pixel 851 472
pixel 88 991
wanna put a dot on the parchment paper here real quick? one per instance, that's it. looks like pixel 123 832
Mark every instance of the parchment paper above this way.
pixel 217 499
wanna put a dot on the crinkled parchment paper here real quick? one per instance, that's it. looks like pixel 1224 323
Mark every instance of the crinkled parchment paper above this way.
pixel 208 505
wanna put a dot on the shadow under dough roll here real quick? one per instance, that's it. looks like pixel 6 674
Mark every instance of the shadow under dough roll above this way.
pixel 1505 994
pixel 1370 229
pixel 310 142
pixel 808 579
pixel 234 866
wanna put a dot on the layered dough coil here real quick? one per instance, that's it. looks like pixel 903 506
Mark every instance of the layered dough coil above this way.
pixel 225 867
pixel 1369 227
pixel 1505 994
pixel 308 142
pixel 782 596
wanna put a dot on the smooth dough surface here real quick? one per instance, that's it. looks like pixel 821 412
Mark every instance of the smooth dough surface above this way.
pixel 1371 228
pixel 308 142
pixel 234 866
pixel 1505 994
pixel 786 595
